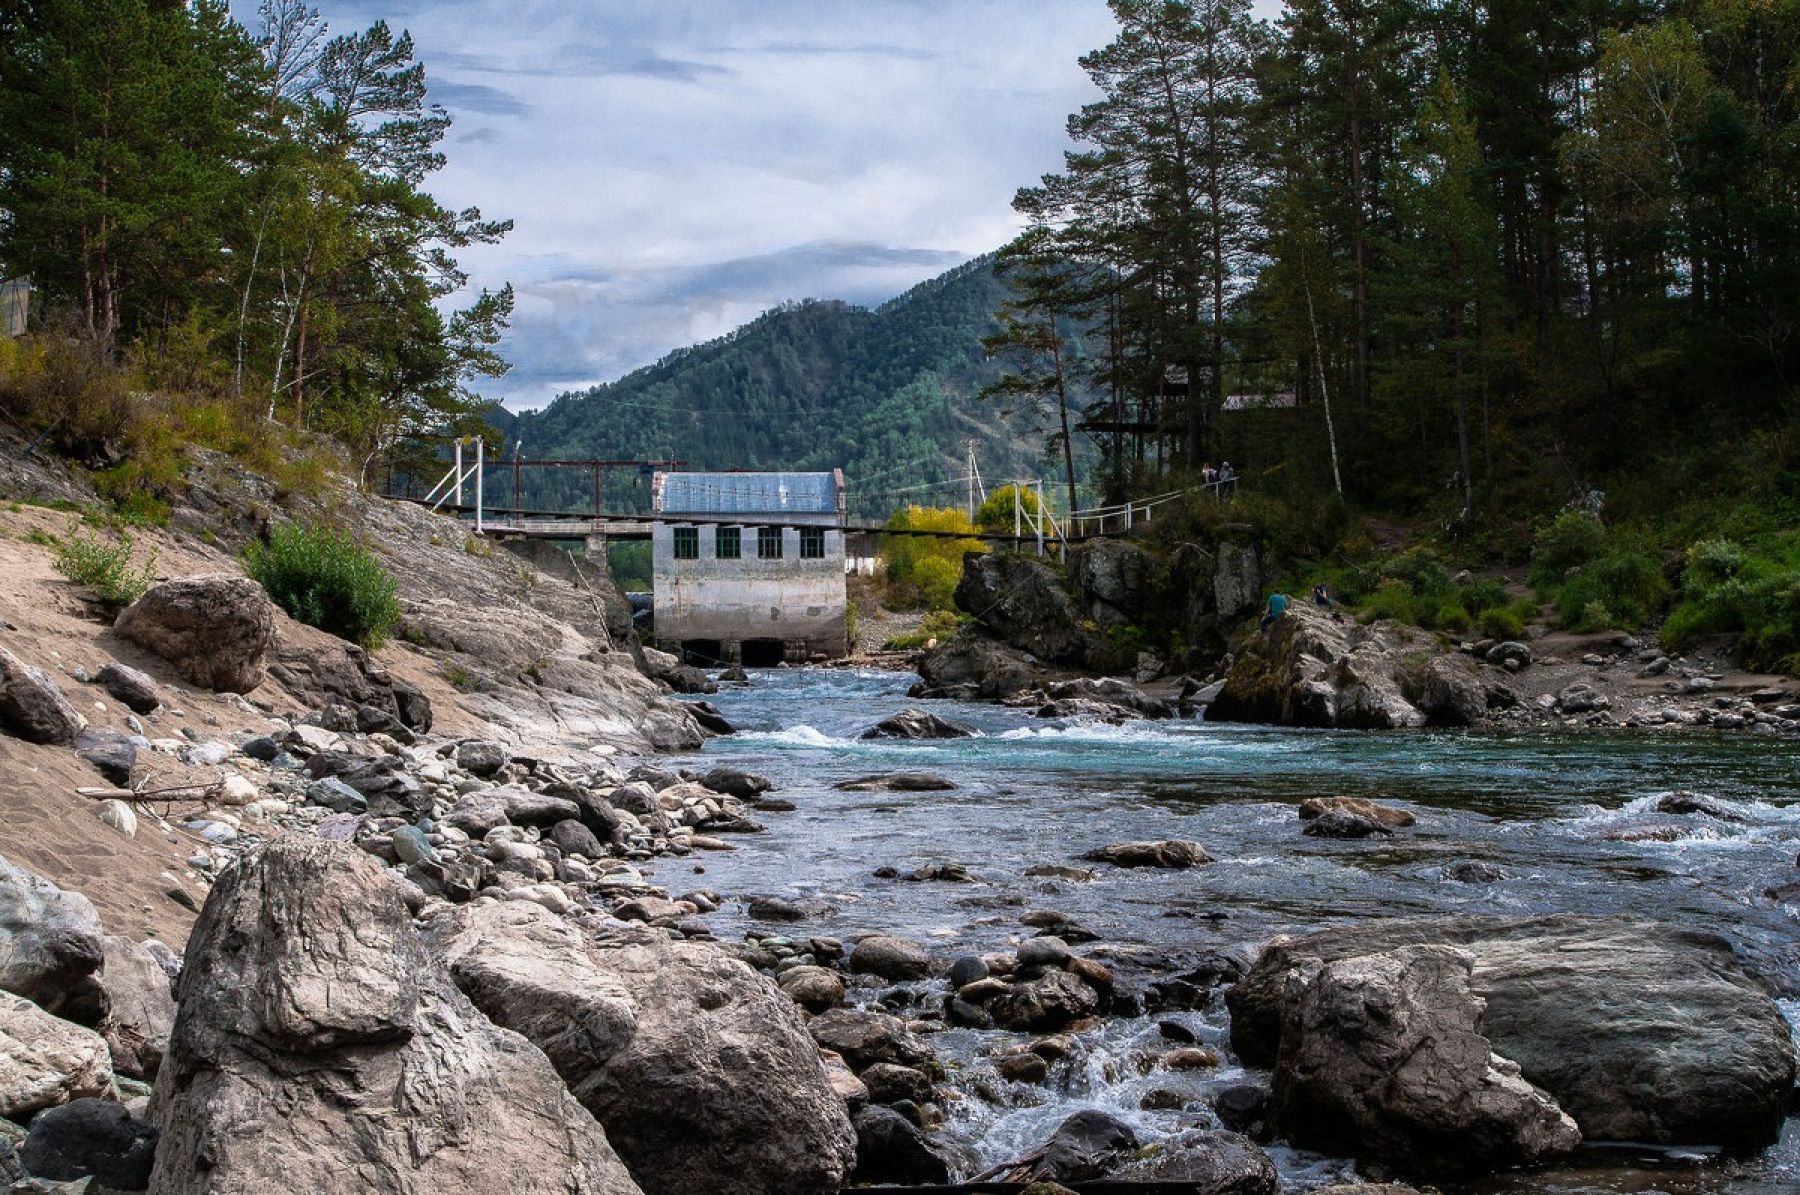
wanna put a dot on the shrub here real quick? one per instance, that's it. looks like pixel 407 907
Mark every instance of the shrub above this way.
pixel 1624 588
pixel 1753 593
pixel 936 579
pixel 326 580
pixel 931 564
pixel 105 567
pixel 996 514
pixel 1571 540
pixel 1502 622
pixel 1451 616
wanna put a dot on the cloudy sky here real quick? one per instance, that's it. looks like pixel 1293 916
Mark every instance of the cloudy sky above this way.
pixel 675 167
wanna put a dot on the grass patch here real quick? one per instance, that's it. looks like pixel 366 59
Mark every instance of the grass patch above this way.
pixel 938 625
pixel 105 566
pixel 327 580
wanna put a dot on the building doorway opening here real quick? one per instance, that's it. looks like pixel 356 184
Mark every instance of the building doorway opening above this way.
pixel 703 653
pixel 763 653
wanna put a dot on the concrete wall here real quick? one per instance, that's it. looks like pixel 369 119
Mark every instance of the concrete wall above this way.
pixel 791 600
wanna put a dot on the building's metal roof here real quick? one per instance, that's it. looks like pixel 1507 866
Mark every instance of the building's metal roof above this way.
pixel 749 493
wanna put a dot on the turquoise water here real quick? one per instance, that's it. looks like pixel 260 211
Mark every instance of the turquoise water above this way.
pixel 1565 817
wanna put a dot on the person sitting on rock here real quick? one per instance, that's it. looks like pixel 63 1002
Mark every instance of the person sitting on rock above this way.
pixel 1322 598
pixel 1275 607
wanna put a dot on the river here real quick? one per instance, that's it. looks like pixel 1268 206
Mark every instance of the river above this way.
pixel 1563 816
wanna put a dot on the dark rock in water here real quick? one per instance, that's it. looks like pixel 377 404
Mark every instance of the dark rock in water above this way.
pixel 1640 1031
pixel 112 753
pixel 1058 871
pixel 946 873
pixel 776 908
pixel 734 675
pixel 1683 802
pixel 1050 951
pixel 1244 1108
pixel 129 686
pixel 51 946
pixel 1206 1162
pixel 889 1083
pixel 216 630
pixel 736 782
pixel 972 665
pixel 890 958
pixel 32 705
pixel 1387 815
pixel 1088 1145
pixel 1472 871
pixel 1022 601
pixel 896 782
pixel 362 1010
pixel 708 716
pixel 1383 1058
pixel 1044 1004
pixel 1169 853
pixel 91 1138
pixel 685 678
pixel 1175 1031
pixel 773 805
pixel 918 724
pixel 966 970
pixel 866 1038
pixel 970 1016
pixel 1341 823
pixel 891 1149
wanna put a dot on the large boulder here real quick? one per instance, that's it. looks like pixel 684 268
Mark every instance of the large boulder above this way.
pixel 1023 601
pixel 32 706
pixel 701 1070
pixel 215 629
pixel 318 1047
pixel 51 946
pixel 46 1061
pixel 917 724
pixel 1307 669
pixel 972 665
pixel 1382 1056
pixel 1114 579
pixel 1641 1031
pixel 1203 1162
pixel 142 1012
pixel 91 1138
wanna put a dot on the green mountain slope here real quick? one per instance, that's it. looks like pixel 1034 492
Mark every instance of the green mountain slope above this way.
pixel 888 395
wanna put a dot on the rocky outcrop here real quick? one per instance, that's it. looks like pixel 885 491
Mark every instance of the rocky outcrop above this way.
pixel 51 946
pixel 970 665
pixel 32 705
pixel 1307 669
pixel 308 991
pixel 46 1061
pixel 701 1071
pixel 1382 1057
pixel 1640 1031
pixel 1023 601
pixel 215 629
pixel 321 670
pixel 1115 579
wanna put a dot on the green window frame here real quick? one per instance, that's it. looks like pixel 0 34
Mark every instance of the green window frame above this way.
pixel 728 542
pixel 687 543
pixel 812 543
pixel 768 543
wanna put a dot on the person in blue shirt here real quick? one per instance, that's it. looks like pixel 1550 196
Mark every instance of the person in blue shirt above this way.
pixel 1276 607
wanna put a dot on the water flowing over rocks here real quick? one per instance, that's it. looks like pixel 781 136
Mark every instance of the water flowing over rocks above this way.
pixel 917 724
pixel 1382 1057
pixel 307 989
pixel 215 629
pixel 701 1071
pixel 1640 1031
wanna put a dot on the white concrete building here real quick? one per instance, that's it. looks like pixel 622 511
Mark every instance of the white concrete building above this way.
pixel 757 577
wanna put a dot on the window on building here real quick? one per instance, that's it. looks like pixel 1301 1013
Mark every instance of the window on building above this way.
pixel 728 542
pixel 812 543
pixel 687 543
pixel 768 543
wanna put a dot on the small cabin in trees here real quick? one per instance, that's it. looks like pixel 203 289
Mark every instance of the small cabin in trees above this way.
pixel 749 567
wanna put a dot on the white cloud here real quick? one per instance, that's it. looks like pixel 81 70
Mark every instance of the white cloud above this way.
pixel 674 168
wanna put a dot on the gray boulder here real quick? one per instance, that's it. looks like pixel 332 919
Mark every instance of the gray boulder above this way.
pixel 973 665
pixel 1114 578
pixel 32 706
pixel 308 991
pixel 1203 1162
pixel 216 630
pixel 112 753
pixel 1170 853
pixel 1382 1056
pixel 1640 1031
pixel 701 1071
pixel 917 724
pixel 890 958
pixel 1044 1004
pixel 737 782
pixel 46 1061
pixel 135 690
pixel 864 1039
pixel 51 946
pixel 142 1008
pixel 480 757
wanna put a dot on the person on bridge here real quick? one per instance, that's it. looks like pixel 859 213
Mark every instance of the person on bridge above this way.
pixel 1274 609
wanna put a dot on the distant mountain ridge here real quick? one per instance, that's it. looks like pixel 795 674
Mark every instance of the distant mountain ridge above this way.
pixel 887 394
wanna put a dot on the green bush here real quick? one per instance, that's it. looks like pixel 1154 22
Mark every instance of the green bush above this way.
pixel 1502 622
pixel 326 580
pixel 1624 588
pixel 1752 593
pixel 105 567
pixel 1571 540
pixel 1451 616
pixel 936 579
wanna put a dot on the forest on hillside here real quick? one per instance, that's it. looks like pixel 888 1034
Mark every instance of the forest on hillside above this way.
pixel 1500 255
pixel 889 395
